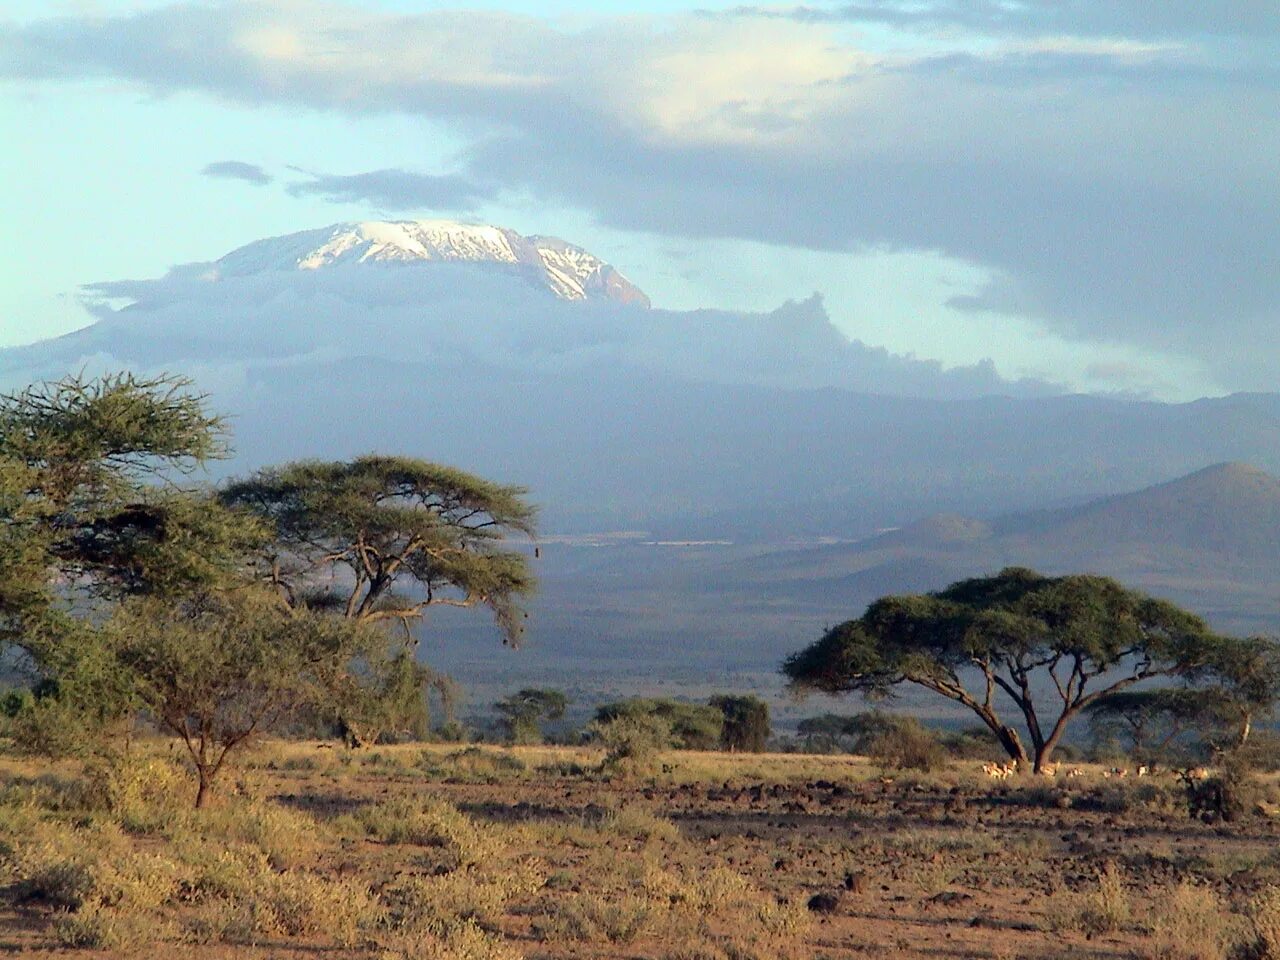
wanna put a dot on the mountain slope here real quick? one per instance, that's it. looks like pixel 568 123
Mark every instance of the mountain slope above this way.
pixel 1229 508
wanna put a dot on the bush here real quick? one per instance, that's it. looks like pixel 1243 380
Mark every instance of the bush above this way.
pixel 594 919
pixel 1106 908
pixel 746 723
pixel 426 822
pixel 473 763
pixel 1190 922
pixel 691 726
pixel 1264 926
pixel 907 745
pixel 632 744
pixel 637 823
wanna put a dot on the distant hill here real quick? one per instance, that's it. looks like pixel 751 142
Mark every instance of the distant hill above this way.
pixel 1228 508
pixel 1210 539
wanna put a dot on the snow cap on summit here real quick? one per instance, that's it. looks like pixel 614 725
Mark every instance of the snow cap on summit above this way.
pixel 566 270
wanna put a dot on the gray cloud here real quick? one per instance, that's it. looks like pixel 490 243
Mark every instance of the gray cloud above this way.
pixel 1116 187
pixel 237 170
pixel 397 190
pixel 1122 18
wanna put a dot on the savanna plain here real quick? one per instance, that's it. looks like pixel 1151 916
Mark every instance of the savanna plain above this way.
pixel 487 852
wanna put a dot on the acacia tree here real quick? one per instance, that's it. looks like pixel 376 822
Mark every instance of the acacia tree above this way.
pixel 384 538
pixel 129 589
pixel 1153 722
pixel 1238 682
pixel 521 714
pixel 1050 646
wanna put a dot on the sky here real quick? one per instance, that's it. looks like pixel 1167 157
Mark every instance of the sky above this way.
pixel 1084 193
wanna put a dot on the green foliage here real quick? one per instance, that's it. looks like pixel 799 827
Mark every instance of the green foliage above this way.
pixel 632 741
pixel 692 726
pixel 522 713
pixel 745 724
pixel 79 503
pixel 1009 635
pixel 217 669
pixel 92 512
pixel 380 692
pixel 389 522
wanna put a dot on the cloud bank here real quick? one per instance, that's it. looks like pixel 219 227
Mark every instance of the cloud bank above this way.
pixel 1114 167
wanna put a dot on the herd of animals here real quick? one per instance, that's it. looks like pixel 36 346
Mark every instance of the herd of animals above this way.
pixel 1002 771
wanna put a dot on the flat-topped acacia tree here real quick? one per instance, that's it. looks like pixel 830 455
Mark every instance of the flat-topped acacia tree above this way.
pixel 404 534
pixel 1050 646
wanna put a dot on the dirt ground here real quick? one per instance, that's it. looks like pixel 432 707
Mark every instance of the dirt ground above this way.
pixel 948 864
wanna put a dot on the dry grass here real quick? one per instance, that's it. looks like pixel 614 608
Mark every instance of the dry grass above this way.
pixel 491 853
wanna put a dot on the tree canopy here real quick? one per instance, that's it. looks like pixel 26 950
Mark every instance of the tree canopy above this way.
pixel 746 722
pixel 1050 646
pixel 91 505
pixel 521 714
pixel 405 533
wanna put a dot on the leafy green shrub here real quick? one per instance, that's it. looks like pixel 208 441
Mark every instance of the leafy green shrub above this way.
pixel 632 744
pixel 691 726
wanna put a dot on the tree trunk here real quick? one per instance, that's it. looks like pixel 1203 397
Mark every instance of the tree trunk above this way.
pixel 202 792
pixel 1012 744
pixel 1042 755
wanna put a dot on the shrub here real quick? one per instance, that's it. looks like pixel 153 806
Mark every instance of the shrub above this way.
pixel 471 895
pixel 473 763
pixel 691 726
pixel 594 919
pixel 632 744
pixel 460 941
pixel 1264 926
pixel 907 744
pixel 638 823
pixel 1107 908
pixel 427 822
pixel 1190 922
pixel 746 722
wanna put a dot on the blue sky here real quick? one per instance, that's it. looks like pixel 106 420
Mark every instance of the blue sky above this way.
pixel 1081 192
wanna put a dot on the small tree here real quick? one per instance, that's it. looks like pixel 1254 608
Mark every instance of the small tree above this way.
pixel 693 726
pixel 404 534
pixel 829 732
pixel 1012 636
pixel 521 714
pixel 746 723
pixel 219 669
pixel 381 691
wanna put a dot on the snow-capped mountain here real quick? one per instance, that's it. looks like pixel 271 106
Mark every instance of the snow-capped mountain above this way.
pixel 568 271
